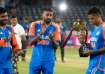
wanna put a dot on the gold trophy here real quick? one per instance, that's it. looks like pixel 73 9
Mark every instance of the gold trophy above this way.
pixel 82 33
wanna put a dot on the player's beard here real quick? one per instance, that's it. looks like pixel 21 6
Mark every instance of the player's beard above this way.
pixel 48 20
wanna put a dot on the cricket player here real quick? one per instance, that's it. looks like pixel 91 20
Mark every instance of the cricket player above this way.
pixel 43 41
pixel 7 43
pixel 97 51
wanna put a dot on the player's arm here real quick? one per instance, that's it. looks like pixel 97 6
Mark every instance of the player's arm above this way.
pixel 91 52
pixel 56 38
pixel 32 38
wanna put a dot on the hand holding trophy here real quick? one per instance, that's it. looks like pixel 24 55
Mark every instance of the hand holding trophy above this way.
pixel 82 33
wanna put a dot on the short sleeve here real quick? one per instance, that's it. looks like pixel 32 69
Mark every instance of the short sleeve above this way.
pixel 57 33
pixel 32 29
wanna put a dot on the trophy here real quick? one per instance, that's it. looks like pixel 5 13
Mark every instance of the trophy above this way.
pixel 82 33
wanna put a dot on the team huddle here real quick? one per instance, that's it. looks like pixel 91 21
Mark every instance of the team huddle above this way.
pixel 45 36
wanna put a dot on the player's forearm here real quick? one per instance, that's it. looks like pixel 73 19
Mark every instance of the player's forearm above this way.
pixel 35 40
pixel 54 42
pixel 98 52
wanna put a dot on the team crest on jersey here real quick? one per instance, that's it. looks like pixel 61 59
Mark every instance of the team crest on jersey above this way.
pixel 1 32
pixel 98 33
pixel 93 39
pixel 38 30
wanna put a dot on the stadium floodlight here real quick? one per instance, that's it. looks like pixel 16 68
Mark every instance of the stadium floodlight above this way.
pixel 62 6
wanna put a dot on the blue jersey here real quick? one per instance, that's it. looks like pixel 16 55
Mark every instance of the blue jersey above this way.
pixel 44 37
pixel 97 42
pixel 43 50
pixel 5 50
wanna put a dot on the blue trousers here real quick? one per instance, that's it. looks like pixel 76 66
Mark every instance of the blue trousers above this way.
pixel 45 68
pixel 6 71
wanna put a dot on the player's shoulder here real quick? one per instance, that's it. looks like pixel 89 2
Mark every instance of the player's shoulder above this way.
pixel 57 26
pixel 36 22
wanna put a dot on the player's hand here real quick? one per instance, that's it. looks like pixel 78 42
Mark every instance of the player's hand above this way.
pixel 82 52
pixel 35 40
pixel 54 43
pixel 51 37
pixel 88 52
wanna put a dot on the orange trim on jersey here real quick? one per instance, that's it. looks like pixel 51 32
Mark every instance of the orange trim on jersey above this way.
pixel 32 29
pixel 2 43
pixel 57 33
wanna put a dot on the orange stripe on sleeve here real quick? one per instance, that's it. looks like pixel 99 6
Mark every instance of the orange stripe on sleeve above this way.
pixel 2 43
pixel 32 29
pixel 57 33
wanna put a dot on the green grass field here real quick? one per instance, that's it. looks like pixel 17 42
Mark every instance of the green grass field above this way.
pixel 73 63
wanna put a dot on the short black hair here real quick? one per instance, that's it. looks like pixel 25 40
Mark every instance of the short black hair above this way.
pixel 48 9
pixel 2 10
pixel 94 11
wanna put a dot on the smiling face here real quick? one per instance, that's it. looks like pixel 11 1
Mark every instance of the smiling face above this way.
pixel 47 14
pixel 94 19
pixel 94 15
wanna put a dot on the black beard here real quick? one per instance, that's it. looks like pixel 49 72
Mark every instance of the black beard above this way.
pixel 47 21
